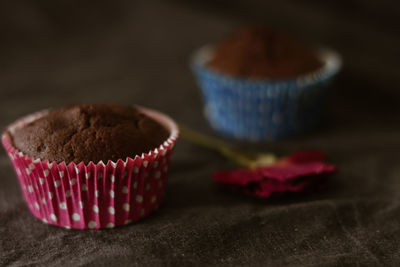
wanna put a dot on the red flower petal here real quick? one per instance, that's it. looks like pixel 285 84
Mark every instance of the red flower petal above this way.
pixel 295 173
pixel 266 188
pixel 283 172
pixel 269 186
pixel 238 176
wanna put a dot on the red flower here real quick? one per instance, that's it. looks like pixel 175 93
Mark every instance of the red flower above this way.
pixel 295 173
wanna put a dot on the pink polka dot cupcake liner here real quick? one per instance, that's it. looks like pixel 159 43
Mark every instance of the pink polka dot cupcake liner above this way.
pixel 94 195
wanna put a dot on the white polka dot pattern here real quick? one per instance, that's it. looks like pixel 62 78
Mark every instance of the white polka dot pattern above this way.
pixel 76 217
pixel 125 190
pixel 63 205
pixel 92 224
pixel 111 210
pixel 53 217
pixel 96 208
pixel 126 207
pixel 135 169
pixel 139 199
pixel 57 183
pixel 155 164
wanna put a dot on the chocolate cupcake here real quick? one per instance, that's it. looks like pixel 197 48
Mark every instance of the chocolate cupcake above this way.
pixel 92 165
pixel 95 132
pixel 260 84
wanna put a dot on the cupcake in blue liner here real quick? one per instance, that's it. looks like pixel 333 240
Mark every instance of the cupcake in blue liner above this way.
pixel 257 103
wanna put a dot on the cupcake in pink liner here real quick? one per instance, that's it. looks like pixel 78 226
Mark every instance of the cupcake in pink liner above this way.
pixel 92 166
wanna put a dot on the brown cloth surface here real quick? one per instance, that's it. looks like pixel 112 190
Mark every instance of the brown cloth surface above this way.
pixel 62 52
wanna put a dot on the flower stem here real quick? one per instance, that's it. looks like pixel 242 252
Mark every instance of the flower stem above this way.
pixel 226 150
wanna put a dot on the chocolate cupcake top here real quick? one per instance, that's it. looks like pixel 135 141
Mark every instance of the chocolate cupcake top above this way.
pixel 90 132
pixel 261 53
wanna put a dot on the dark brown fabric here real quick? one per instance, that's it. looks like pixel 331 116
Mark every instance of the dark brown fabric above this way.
pixel 90 132
pixel 60 52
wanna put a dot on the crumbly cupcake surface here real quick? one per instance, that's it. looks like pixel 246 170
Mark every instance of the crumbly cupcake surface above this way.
pixel 258 52
pixel 90 132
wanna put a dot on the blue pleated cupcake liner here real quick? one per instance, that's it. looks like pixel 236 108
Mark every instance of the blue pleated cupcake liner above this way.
pixel 258 110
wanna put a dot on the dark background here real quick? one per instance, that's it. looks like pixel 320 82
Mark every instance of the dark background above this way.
pixel 59 52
